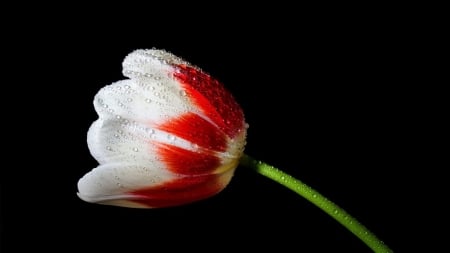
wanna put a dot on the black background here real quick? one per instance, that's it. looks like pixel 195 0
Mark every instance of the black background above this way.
pixel 328 99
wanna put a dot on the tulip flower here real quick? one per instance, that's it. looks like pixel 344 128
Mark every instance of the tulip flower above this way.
pixel 170 135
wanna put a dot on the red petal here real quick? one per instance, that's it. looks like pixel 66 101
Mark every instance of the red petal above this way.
pixel 186 162
pixel 196 130
pixel 211 97
pixel 180 191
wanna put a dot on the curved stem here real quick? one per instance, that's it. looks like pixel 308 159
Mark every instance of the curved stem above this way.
pixel 319 200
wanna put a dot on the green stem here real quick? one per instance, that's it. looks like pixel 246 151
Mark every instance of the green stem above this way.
pixel 319 200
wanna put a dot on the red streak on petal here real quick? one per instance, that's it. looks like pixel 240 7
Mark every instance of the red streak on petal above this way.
pixel 212 98
pixel 180 191
pixel 186 162
pixel 196 130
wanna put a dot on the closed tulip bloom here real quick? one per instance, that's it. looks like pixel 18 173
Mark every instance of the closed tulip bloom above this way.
pixel 169 135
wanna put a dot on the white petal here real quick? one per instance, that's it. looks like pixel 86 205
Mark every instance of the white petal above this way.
pixel 150 63
pixel 112 181
pixel 113 141
pixel 148 102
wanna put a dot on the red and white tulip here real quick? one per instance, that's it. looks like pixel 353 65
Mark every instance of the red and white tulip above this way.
pixel 169 135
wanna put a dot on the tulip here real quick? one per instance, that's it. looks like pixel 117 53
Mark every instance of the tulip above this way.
pixel 172 135
pixel 169 135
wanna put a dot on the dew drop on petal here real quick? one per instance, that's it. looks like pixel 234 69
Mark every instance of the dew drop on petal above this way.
pixel 149 131
pixel 194 146
pixel 135 149
pixel 171 137
pixel 148 100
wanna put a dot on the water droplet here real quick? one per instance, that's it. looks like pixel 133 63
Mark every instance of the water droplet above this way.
pixel 335 211
pixel 157 78
pixel 148 100
pixel 159 83
pixel 148 75
pixel 127 86
pixel 116 135
pixel 120 131
pixel 118 117
pixel 109 148
pixel 110 110
pixel 183 93
pixel 283 178
pixel 171 137
pixel 157 94
pixel 194 146
pixel 129 99
pixel 135 149
pixel 105 105
pixel 314 195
